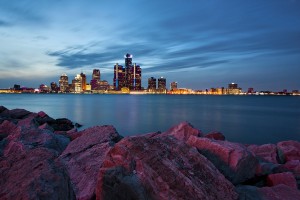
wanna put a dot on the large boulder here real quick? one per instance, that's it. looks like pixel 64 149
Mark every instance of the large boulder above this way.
pixel 183 131
pixel 215 136
pixel 265 152
pixel 2 108
pixel 232 159
pixel 84 156
pixel 34 175
pixel 160 168
pixel 288 150
pixel 286 178
pixel 277 192
pixel 7 128
pixel 15 113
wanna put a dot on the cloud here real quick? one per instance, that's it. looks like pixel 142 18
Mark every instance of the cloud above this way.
pixel 4 23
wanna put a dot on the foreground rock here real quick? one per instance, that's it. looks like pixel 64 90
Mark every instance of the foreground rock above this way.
pixel 46 158
pixel 84 156
pixel 160 168
pixel 232 159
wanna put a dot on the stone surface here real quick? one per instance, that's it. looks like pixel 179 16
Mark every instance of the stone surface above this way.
pixel 278 192
pixel 160 168
pixel 265 153
pixel 61 124
pixel 34 175
pixel 2 108
pixel 288 150
pixel 6 128
pixel 15 113
pixel 232 159
pixel 286 178
pixel 183 131
pixel 84 156
pixel 215 136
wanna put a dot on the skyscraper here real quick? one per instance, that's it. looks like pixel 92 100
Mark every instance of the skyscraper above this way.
pixel 162 85
pixel 173 86
pixel 119 77
pixel 96 74
pixel 152 84
pixel 83 81
pixel 130 76
pixel 233 89
pixel 77 83
pixel 63 83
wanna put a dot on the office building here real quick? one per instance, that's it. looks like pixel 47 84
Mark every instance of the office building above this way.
pixel 83 81
pixel 233 89
pixel 96 74
pixel 173 86
pixel 54 87
pixel 77 83
pixel 63 83
pixel 152 84
pixel 161 85
pixel 119 77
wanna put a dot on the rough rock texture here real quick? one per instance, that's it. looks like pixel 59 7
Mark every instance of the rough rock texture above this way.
pixel 38 161
pixel 286 178
pixel 34 175
pixel 215 136
pixel 266 152
pixel 160 168
pixel 278 192
pixel 232 159
pixel 183 131
pixel 84 156
pixel 288 150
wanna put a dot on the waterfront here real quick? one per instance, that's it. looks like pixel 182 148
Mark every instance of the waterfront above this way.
pixel 246 119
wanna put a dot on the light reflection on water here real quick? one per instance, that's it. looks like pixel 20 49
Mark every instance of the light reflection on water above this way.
pixel 247 119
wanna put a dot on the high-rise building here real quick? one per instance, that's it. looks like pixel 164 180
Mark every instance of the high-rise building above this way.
pixel 95 79
pixel 233 89
pixel 77 83
pixel 173 86
pixel 63 83
pixel 152 84
pixel 119 77
pixel 130 76
pixel 83 81
pixel 53 87
pixel 128 60
pixel 96 74
pixel 162 83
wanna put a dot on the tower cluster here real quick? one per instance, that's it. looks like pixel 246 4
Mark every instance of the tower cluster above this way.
pixel 129 76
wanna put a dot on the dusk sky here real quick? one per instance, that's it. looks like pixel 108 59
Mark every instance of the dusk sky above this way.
pixel 198 43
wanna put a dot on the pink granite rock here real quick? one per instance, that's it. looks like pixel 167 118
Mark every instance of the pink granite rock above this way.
pixel 84 156
pixel 15 113
pixel 265 152
pixel 160 168
pixel 215 136
pixel 278 192
pixel 6 128
pixel 29 121
pixel 46 127
pixel 183 131
pixel 34 175
pixel 293 166
pixel 286 178
pixel 288 150
pixel 232 159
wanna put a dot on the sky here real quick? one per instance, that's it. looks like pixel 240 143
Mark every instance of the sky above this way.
pixel 198 43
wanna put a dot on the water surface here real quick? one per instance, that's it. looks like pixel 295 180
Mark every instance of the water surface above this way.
pixel 246 119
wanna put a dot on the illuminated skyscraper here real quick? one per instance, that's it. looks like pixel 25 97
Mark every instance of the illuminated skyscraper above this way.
pixel 96 74
pixel 77 83
pixel 119 77
pixel 162 85
pixel 128 60
pixel 233 89
pixel 83 81
pixel 152 84
pixel 173 86
pixel 130 76
pixel 63 83
pixel 54 87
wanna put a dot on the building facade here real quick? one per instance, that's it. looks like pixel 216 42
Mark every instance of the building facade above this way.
pixel 63 83
pixel 173 86
pixel 151 84
pixel 162 85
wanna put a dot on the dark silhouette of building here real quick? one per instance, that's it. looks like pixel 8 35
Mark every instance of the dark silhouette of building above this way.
pixel 54 87
pixel 173 86
pixel 83 81
pixel 161 85
pixel 119 77
pixel 96 74
pixel 152 84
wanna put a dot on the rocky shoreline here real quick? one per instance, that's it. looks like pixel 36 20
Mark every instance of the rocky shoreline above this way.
pixel 46 158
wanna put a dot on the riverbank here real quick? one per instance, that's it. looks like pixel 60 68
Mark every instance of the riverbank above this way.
pixel 42 157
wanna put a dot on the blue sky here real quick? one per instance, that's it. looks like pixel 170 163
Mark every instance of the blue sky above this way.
pixel 198 43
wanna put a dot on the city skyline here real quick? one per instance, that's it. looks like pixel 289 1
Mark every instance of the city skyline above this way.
pixel 212 43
